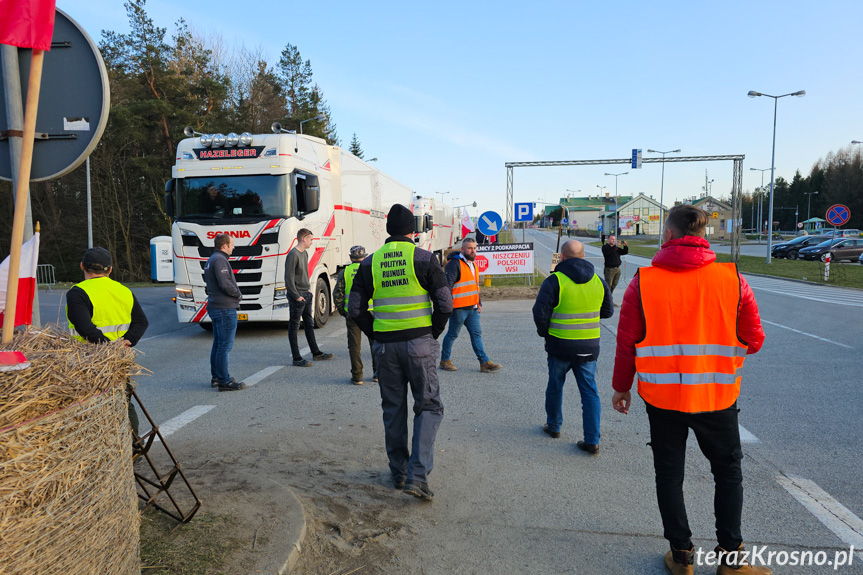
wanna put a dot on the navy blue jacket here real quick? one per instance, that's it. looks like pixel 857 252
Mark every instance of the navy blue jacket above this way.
pixel 580 350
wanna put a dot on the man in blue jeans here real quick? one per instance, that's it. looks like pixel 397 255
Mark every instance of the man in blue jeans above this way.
pixel 463 279
pixel 223 300
pixel 566 313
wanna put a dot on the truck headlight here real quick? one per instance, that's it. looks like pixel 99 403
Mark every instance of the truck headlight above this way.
pixel 185 293
pixel 280 293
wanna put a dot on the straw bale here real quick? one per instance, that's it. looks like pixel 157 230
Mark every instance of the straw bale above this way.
pixel 67 494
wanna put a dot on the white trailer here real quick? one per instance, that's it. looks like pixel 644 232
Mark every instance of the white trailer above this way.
pixel 434 225
pixel 262 189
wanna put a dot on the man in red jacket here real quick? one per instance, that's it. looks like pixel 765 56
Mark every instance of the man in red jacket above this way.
pixel 686 325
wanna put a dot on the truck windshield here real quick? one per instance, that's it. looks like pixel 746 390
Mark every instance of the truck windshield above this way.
pixel 236 198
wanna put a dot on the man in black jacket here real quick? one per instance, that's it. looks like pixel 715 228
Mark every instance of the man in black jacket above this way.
pixel 612 252
pixel 223 301
pixel 566 313
pixel 412 303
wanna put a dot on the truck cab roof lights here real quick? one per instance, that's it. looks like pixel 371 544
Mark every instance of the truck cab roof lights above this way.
pixel 271 152
pixel 219 140
pixel 232 139
pixel 206 140
pixel 245 139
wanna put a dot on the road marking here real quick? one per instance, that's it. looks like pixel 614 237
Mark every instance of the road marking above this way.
pixel 835 516
pixel 175 424
pixel 808 334
pixel 746 436
pixel 257 377
pixel 339 332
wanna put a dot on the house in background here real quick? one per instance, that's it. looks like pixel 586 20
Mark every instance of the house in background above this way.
pixel 641 215
pixel 720 223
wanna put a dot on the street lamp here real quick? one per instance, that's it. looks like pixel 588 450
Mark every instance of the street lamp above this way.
pixel 601 194
pixel 661 192
pixel 318 117
pixel 442 194
pixel 616 197
pixel 760 198
pixel 809 204
pixel 856 142
pixel 754 94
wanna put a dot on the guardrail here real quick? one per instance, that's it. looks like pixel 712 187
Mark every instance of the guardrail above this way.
pixel 45 275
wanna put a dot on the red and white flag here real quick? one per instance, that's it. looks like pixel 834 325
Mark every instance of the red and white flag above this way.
pixel 26 282
pixel 466 223
pixel 27 23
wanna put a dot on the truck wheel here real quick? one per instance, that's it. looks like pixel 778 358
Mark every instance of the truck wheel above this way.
pixel 206 326
pixel 322 303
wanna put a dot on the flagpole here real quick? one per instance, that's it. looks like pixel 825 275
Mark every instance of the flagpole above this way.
pixel 21 192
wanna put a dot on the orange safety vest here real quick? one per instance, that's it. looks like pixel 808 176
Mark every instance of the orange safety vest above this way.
pixel 465 293
pixel 690 359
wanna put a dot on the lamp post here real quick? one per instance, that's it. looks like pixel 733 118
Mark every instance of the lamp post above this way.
pixel 318 117
pixel 661 192
pixel 754 94
pixel 616 197
pixel 856 142
pixel 442 194
pixel 809 204
pixel 760 199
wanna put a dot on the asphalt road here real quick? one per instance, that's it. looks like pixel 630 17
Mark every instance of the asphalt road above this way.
pixel 508 498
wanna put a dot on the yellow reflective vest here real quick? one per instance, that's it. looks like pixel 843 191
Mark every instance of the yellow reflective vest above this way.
pixel 576 315
pixel 112 307
pixel 399 301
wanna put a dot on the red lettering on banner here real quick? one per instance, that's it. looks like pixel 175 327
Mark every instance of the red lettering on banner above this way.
pixel 239 234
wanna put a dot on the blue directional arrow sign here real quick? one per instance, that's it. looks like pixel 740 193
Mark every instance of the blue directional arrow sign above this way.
pixel 490 223
pixel 524 212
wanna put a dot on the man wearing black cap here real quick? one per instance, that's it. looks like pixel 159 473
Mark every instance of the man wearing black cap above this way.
pixel 412 303
pixel 101 310
pixel 341 295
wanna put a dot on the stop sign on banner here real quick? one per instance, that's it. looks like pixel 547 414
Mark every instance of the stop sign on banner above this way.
pixel 481 263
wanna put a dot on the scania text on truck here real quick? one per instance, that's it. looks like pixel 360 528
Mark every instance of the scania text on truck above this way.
pixel 261 190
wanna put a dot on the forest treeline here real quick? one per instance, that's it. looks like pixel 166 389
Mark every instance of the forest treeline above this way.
pixel 161 82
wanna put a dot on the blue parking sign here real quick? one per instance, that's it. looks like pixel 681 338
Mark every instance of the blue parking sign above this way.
pixel 524 212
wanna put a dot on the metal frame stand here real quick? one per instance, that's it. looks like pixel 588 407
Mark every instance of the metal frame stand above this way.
pixel 163 482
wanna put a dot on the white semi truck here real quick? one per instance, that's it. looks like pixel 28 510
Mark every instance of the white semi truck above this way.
pixel 435 227
pixel 262 189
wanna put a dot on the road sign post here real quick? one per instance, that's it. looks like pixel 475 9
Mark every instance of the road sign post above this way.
pixel 838 215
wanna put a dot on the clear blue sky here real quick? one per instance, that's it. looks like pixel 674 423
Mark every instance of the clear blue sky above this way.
pixel 445 93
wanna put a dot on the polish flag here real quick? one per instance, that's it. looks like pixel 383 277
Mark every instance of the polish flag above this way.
pixel 26 282
pixel 466 224
pixel 27 23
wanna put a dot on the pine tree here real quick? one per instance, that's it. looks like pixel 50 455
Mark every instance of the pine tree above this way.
pixel 355 148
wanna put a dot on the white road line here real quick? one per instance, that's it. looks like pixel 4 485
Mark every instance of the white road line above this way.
pixel 808 334
pixel 188 416
pixel 835 516
pixel 257 377
pixel 305 350
pixel 746 436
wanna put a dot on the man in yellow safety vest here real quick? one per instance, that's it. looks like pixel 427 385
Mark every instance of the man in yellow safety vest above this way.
pixel 101 310
pixel 341 293
pixel 412 303
pixel 567 311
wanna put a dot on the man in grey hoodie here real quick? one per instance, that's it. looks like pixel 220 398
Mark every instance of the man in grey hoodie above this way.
pixel 223 300
pixel 566 313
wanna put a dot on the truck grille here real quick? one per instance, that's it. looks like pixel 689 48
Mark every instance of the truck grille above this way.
pixel 239 251
pixel 241 265
pixel 250 290
pixel 250 306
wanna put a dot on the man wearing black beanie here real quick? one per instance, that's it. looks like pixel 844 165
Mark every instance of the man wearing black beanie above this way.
pixel 412 303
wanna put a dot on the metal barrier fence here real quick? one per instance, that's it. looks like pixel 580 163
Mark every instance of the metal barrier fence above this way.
pixel 45 275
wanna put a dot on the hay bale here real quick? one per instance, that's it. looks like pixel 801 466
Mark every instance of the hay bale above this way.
pixel 67 494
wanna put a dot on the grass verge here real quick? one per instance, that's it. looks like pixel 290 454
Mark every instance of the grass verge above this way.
pixel 845 275
pixel 200 547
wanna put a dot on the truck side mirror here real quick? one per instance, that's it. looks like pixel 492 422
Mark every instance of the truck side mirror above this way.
pixel 313 194
pixel 169 198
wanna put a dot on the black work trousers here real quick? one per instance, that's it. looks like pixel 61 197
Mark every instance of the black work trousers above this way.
pixel 302 310
pixel 718 438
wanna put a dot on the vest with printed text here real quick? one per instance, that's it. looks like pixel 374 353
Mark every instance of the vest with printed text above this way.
pixel 399 301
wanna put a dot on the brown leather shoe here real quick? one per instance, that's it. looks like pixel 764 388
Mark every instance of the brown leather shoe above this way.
pixel 489 366
pixel 731 563
pixel 447 365
pixel 679 561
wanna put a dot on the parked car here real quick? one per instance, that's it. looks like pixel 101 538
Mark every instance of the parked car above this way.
pixel 850 233
pixel 842 249
pixel 790 248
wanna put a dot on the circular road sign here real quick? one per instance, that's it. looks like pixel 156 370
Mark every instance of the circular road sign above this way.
pixel 838 215
pixel 73 103
pixel 799 224
pixel 489 223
